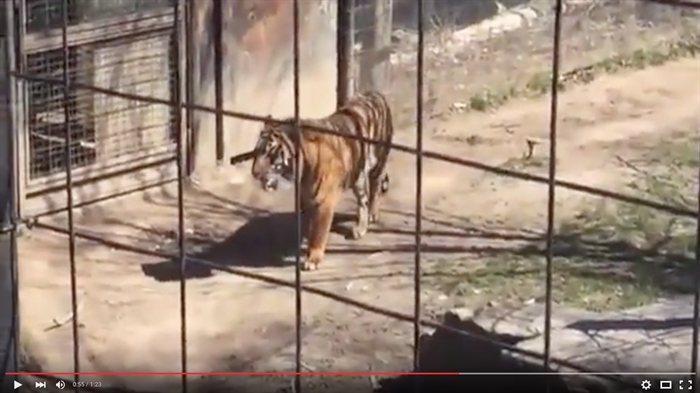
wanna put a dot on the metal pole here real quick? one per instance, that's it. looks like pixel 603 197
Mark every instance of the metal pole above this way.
pixel 181 166
pixel 218 17
pixel 189 84
pixel 344 43
pixel 297 199
pixel 696 302
pixel 69 189
pixel 551 186
pixel 9 291
pixel 419 192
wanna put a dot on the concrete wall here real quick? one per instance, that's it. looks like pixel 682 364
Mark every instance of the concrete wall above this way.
pixel 258 75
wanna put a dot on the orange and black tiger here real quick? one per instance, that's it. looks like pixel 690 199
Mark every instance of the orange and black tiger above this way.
pixel 329 164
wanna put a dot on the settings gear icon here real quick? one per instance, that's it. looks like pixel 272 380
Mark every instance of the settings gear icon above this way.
pixel 646 385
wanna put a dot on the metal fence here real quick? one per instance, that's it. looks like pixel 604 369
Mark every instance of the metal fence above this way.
pixel 60 67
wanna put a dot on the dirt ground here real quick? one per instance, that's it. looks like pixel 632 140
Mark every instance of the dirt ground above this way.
pixel 129 311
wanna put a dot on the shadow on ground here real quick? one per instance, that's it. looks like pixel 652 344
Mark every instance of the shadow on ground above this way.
pixel 270 240
pixel 266 240
pixel 580 252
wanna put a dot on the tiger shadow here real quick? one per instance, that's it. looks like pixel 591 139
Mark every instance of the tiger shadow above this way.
pixel 261 242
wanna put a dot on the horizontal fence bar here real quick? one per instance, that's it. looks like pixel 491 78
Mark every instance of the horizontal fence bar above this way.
pixel 677 210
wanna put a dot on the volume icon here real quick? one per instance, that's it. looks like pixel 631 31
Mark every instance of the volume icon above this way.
pixel 60 384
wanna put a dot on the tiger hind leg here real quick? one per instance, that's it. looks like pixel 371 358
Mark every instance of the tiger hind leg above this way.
pixel 361 189
pixel 378 187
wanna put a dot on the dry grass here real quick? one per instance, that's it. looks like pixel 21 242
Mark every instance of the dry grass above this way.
pixel 540 83
pixel 516 280
pixel 613 255
pixel 665 244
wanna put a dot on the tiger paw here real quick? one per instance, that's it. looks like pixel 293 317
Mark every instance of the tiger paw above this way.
pixel 358 232
pixel 309 266
pixel 312 260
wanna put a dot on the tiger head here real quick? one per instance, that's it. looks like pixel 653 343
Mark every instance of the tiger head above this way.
pixel 273 157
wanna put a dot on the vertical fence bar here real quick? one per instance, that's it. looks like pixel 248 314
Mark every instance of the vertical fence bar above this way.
pixel 554 105
pixel 68 157
pixel 218 17
pixel 21 142
pixel 177 97
pixel 9 291
pixel 297 197
pixel 189 84
pixel 344 44
pixel 696 301
pixel 419 191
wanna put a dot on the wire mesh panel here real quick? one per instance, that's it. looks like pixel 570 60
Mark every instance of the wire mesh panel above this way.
pixel 46 14
pixel 46 125
pixel 107 132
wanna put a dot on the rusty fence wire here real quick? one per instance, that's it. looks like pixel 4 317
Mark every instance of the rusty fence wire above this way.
pixel 183 101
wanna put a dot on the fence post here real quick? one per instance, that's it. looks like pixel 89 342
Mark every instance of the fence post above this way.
pixel 376 47
pixel 190 47
pixel 344 44
pixel 9 312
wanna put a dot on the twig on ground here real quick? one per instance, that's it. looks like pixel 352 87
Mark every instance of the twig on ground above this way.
pixel 58 322
pixel 308 367
pixel 629 165
pixel 531 143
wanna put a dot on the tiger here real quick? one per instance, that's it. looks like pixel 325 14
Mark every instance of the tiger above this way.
pixel 329 164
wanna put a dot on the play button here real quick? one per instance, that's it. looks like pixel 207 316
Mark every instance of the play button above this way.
pixel 17 384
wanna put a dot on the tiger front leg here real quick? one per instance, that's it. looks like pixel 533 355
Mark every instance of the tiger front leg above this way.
pixel 361 190
pixel 306 217
pixel 320 218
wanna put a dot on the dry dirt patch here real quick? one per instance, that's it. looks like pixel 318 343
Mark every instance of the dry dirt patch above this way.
pixel 480 231
pixel 618 134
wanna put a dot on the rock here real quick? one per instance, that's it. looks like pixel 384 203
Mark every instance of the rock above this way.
pixel 652 338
